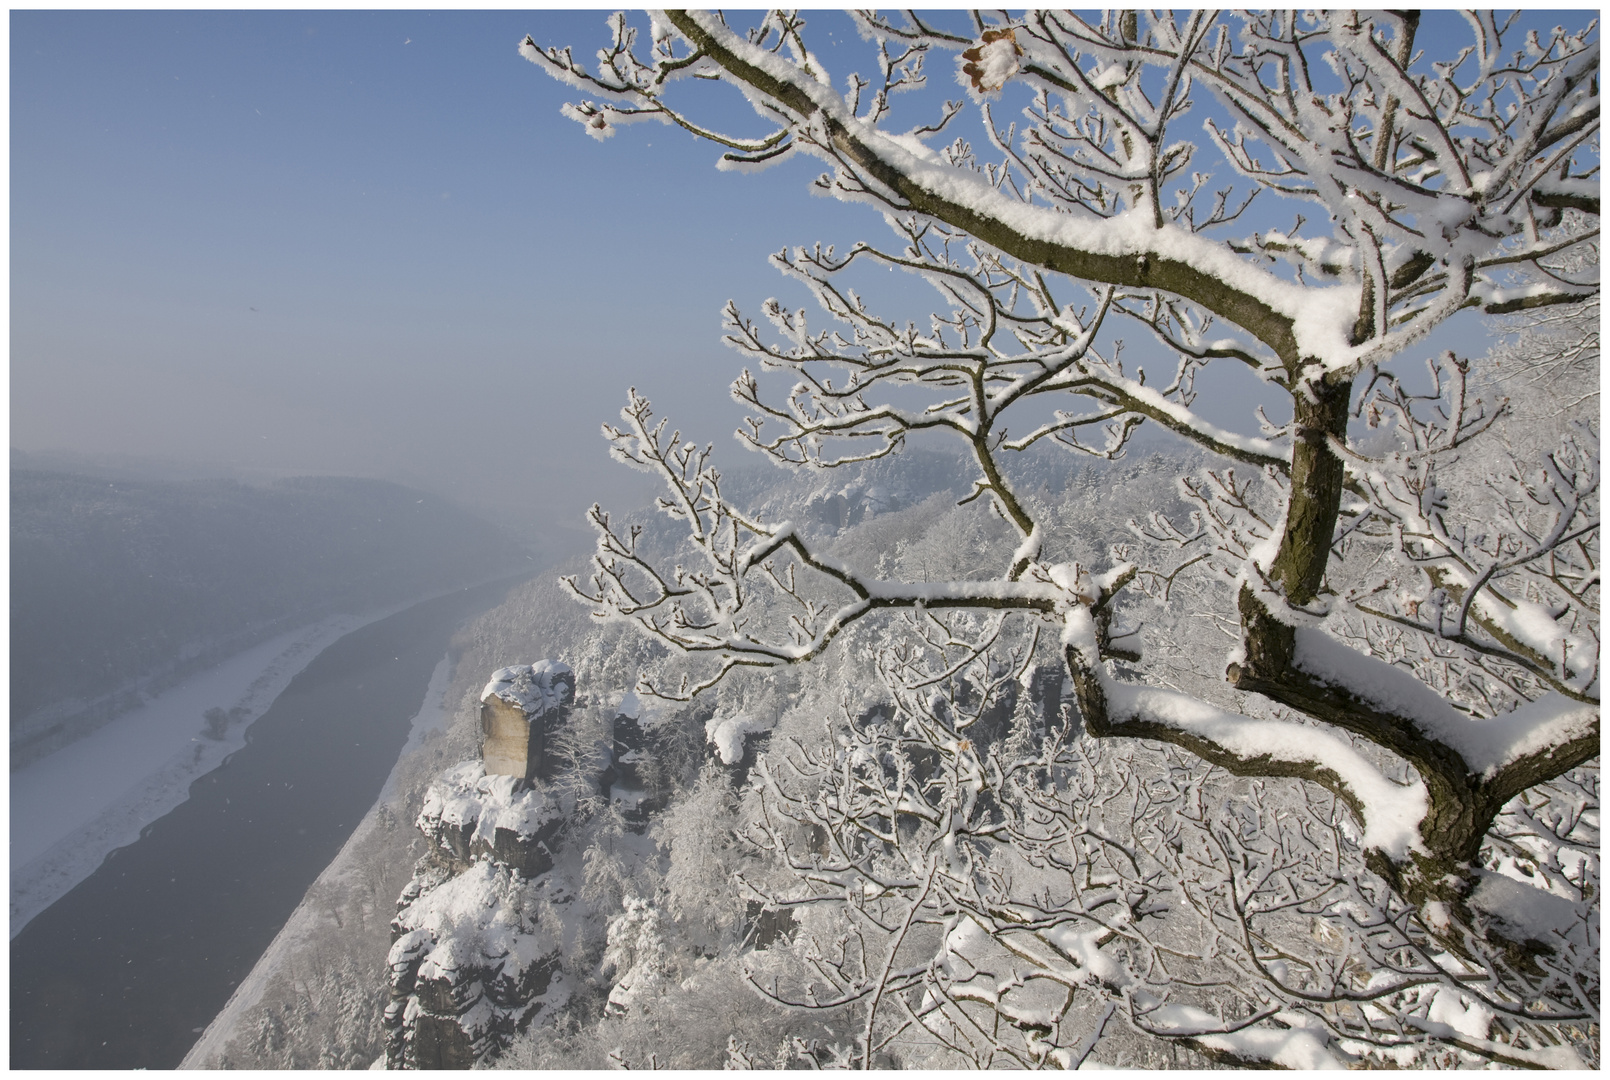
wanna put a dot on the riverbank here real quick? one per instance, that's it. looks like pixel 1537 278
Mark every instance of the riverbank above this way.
pixel 313 915
pixel 71 809
pixel 315 996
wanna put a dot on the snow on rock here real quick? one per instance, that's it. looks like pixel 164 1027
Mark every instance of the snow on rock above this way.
pixel 727 735
pixel 469 815
pixel 853 503
pixel 470 962
pixel 647 714
pixel 537 688
pixel 470 966
pixel 519 707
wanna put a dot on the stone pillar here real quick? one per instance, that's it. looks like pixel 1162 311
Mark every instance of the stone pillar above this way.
pixel 511 745
pixel 518 706
pixel 626 785
pixel 465 979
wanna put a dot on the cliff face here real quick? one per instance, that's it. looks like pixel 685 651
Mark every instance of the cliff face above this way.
pixel 475 951
pixel 520 709
pixel 476 940
pixel 481 927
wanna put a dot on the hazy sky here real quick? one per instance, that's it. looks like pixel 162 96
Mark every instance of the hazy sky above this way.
pixel 367 243
pixel 362 243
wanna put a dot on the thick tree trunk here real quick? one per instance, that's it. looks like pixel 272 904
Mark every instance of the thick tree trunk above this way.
pixel 1316 489
pixel 1460 813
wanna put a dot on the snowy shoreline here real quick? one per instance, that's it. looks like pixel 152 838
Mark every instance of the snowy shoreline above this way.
pixel 72 808
pixel 432 716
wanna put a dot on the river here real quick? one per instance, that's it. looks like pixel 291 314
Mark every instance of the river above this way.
pixel 124 970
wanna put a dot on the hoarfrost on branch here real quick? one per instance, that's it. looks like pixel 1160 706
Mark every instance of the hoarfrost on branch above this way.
pixel 1422 649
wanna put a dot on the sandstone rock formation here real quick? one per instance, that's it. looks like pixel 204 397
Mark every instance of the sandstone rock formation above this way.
pixel 519 708
pixel 622 782
pixel 471 960
pixel 476 941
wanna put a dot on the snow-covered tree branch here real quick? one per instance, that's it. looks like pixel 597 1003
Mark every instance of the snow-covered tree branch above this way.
pixel 1013 898
pixel 1420 646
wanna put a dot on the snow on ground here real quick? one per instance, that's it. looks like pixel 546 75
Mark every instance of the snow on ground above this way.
pixel 432 716
pixel 727 735
pixel 71 809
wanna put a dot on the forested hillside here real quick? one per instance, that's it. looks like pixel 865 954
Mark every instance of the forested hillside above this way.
pixel 324 1001
pixel 118 586
pixel 656 899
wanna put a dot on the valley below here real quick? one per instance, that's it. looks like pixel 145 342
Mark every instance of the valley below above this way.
pixel 130 965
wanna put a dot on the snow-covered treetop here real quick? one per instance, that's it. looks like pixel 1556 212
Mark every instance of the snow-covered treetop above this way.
pixel 1428 166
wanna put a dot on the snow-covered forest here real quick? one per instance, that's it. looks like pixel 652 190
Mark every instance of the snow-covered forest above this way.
pixel 975 735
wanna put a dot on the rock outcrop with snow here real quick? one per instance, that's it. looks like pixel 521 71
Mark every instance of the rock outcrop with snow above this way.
pixel 476 942
pixel 471 961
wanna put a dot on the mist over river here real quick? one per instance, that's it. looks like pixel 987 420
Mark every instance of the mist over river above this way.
pixel 129 966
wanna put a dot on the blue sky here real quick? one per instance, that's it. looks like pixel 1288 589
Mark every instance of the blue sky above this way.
pixel 368 243
pixel 452 284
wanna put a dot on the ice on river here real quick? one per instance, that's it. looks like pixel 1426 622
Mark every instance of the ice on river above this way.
pixel 73 807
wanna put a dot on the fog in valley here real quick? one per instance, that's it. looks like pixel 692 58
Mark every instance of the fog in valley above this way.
pixel 520 558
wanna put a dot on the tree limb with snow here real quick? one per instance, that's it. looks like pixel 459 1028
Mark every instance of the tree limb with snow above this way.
pixel 1015 898
pixel 1425 177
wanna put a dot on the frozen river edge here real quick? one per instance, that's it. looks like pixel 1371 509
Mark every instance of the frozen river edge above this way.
pixel 71 809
